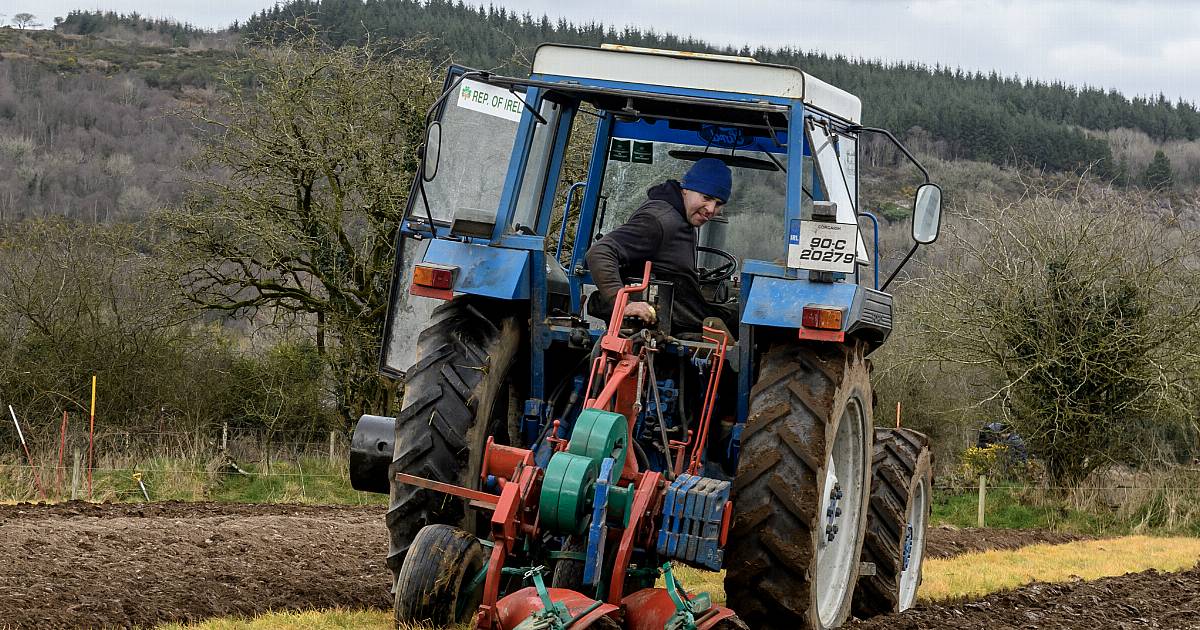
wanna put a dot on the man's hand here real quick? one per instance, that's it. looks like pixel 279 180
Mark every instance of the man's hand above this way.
pixel 642 311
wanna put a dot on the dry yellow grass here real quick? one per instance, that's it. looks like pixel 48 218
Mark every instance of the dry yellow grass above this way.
pixel 977 574
pixel 313 620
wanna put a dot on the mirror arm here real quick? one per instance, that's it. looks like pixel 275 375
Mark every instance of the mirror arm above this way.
pixel 898 267
pixel 900 146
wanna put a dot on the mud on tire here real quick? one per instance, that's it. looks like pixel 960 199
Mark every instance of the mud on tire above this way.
pixel 463 359
pixel 435 581
pixel 779 574
pixel 900 495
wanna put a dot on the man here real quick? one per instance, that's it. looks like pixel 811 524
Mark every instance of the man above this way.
pixel 663 231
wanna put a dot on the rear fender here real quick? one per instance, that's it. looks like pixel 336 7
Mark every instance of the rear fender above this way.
pixel 494 272
pixel 779 303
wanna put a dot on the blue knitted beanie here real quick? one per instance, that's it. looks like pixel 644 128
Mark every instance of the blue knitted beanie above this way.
pixel 711 177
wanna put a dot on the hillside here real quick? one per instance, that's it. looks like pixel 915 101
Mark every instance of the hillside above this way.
pixel 86 130
pixel 951 113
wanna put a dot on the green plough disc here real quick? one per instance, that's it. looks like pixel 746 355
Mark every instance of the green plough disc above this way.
pixel 565 501
pixel 599 434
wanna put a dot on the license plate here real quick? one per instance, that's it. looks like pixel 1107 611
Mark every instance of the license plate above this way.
pixel 818 246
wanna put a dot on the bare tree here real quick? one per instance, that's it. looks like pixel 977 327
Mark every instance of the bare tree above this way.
pixel 25 20
pixel 1086 310
pixel 320 154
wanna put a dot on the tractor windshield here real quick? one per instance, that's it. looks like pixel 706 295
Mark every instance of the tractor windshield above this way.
pixel 751 225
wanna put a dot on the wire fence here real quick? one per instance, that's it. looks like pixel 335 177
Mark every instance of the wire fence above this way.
pixel 189 465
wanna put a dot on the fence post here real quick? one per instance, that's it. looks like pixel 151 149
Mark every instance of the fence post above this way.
pixel 75 475
pixel 332 437
pixel 982 499
pixel 224 436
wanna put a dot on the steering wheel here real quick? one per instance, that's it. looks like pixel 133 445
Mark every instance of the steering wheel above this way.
pixel 718 274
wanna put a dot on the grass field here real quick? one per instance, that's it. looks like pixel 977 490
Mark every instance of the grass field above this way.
pixel 313 480
pixel 950 579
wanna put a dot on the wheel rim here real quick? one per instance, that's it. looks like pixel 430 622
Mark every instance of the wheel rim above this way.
pixel 913 547
pixel 841 512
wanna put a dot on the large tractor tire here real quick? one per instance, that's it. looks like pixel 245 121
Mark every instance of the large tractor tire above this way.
pixel 801 490
pixel 455 396
pixel 896 522
pixel 438 582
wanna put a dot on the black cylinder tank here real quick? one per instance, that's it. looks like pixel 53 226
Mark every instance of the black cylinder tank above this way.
pixel 371 454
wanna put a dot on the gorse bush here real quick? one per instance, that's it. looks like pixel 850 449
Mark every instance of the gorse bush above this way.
pixel 1082 310
pixel 78 301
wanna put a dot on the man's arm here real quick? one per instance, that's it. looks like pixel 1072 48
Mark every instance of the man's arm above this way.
pixel 634 242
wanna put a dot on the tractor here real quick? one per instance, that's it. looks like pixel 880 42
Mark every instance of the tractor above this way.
pixel 553 467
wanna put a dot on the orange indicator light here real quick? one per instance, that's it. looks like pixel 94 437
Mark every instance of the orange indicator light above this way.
pixel 434 276
pixel 823 317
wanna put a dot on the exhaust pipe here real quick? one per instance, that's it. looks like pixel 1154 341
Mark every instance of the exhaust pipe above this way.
pixel 371 450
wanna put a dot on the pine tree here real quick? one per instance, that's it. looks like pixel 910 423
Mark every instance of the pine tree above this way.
pixel 1158 174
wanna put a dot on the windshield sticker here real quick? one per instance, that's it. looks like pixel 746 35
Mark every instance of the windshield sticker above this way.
pixel 619 150
pixel 490 100
pixel 643 152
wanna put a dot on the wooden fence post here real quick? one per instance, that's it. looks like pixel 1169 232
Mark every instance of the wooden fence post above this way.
pixel 75 475
pixel 332 437
pixel 224 436
pixel 982 499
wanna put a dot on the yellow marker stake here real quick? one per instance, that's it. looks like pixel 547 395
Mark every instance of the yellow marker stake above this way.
pixel 92 437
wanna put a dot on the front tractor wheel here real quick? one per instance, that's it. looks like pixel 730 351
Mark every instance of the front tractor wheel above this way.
pixel 896 522
pixel 456 394
pixel 801 490
pixel 439 581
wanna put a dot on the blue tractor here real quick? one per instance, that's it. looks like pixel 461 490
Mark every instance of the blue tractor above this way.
pixel 549 467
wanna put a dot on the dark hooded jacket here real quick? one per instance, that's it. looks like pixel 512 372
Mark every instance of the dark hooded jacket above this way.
pixel 657 231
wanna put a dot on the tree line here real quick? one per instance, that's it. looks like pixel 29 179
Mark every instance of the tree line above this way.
pixel 979 116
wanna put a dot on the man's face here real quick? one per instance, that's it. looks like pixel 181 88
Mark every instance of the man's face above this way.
pixel 700 207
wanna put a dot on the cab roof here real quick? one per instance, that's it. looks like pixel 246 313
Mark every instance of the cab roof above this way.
pixel 697 71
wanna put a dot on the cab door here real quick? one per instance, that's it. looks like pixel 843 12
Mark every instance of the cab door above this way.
pixel 461 175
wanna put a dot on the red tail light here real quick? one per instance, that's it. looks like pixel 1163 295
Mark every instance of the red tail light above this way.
pixel 434 276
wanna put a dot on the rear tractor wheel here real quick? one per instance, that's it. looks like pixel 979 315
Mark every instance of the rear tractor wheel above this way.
pixel 896 522
pixel 801 490
pixel 455 396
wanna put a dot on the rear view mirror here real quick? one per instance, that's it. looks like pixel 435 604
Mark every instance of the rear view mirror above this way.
pixel 433 150
pixel 927 213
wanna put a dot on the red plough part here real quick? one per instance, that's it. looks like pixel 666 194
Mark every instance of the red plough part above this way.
pixel 631 509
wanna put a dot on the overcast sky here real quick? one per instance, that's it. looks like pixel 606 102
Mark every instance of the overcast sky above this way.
pixel 1137 47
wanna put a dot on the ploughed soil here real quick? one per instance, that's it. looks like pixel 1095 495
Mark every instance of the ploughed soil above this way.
pixel 1150 599
pixel 118 565
pixel 944 542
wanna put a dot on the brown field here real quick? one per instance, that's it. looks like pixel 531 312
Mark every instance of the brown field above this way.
pixel 121 565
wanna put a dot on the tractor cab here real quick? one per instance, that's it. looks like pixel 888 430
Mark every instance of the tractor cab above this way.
pixel 508 173
pixel 588 452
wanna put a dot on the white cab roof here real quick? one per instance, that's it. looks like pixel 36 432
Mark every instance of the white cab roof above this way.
pixel 700 71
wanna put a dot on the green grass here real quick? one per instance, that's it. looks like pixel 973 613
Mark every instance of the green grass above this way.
pixel 1009 510
pixel 314 480
pixel 1032 508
